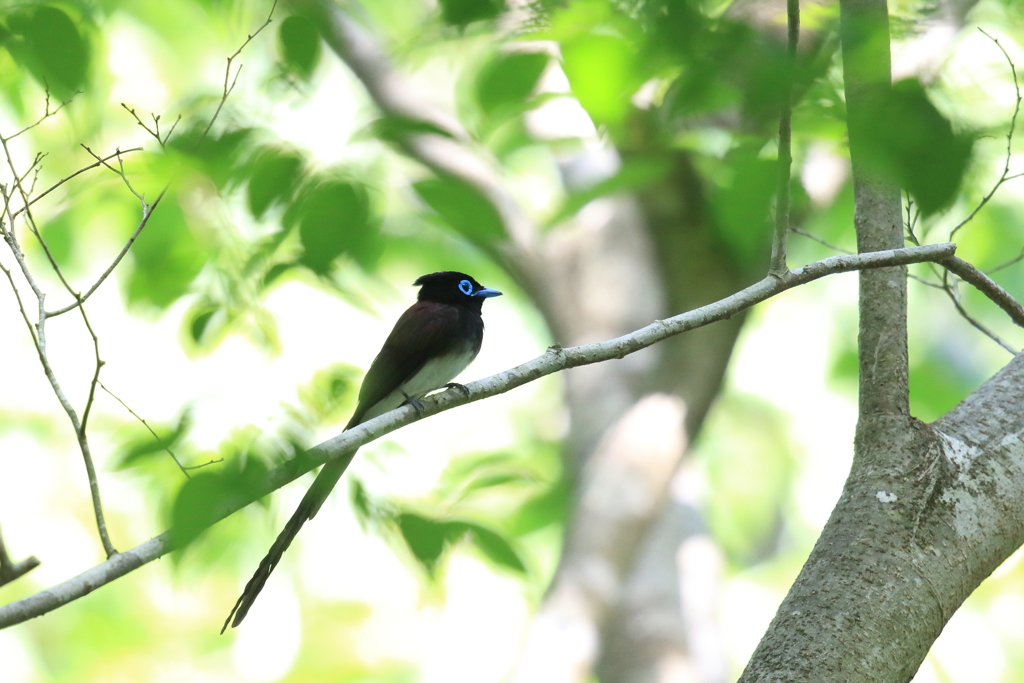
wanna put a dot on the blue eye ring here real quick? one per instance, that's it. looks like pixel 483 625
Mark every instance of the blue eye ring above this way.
pixel 466 287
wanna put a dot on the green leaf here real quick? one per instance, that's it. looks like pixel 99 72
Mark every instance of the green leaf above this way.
pixel 200 317
pixel 425 537
pixel 276 271
pixel 495 547
pixel 742 204
pixel 300 45
pixel 395 129
pixel 463 208
pixel 462 12
pixel 52 48
pixel 59 235
pixel 906 138
pixel 542 510
pixel 509 79
pixel 334 218
pixel 220 157
pixel 166 257
pixel 145 445
pixel 361 504
pixel 275 176
pixel 208 494
pixel 603 71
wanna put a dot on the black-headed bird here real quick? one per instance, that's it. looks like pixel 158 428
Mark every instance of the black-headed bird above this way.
pixel 432 342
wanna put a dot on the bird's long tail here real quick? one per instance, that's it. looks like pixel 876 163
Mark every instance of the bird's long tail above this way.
pixel 310 505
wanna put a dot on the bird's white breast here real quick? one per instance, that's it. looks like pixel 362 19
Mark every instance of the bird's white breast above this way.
pixel 435 374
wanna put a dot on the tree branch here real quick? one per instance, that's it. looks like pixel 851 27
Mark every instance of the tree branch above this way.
pixel 554 360
pixel 778 260
pixel 10 570
pixel 38 333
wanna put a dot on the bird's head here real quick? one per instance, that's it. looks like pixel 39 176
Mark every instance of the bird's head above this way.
pixel 451 287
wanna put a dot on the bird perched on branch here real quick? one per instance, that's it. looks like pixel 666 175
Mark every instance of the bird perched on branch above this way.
pixel 432 342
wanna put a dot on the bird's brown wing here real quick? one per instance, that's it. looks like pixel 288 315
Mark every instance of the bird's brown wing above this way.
pixel 426 330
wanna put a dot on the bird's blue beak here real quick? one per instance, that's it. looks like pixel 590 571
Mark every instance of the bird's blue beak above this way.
pixel 487 292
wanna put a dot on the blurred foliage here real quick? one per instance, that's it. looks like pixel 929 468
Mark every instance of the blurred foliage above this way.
pixel 908 139
pixel 487 500
pixel 300 46
pixel 746 513
pixel 255 203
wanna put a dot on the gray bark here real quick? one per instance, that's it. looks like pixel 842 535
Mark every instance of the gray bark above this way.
pixel 912 536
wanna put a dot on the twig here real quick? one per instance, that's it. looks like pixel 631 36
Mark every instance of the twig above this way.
pixel 155 131
pixel 47 113
pixel 968 273
pixel 778 259
pixel 819 240
pixel 37 330
pixel 38 333
pixel 10 570
pixel 910 223
pixel 119 170
pixel 79 300
pixel 953 292
pixel 29 219
pixel 202 465
pixel 554 360
pixel 145 424
pixel 1005 175
pixel 73 175
pixel 227 70
pixel 1016 259
pixel 21 304
pixel 986 286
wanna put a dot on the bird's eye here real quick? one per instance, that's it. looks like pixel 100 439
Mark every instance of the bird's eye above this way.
pixel 466 287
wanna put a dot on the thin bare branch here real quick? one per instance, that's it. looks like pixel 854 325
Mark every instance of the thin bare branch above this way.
pixel 954 296
pixel 21 304
pixel 155 130
pixel 119 171
pixel 554 360
pixel 202 465
pixel 986 286
pixel 227 70
pixel 47 113
pixel 778 259
pixel 128 245
pixel 10 570
pixel 1005 175
pixel 38 331
pixel 145 424
pixel 1015 260
pixel 819 240
pixel 29 219
pixel 79 172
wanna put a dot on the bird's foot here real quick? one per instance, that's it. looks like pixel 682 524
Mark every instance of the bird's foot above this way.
pixel 414 402
pixel 456 385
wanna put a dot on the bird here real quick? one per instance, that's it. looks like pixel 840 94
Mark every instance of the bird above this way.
pixel 432 342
